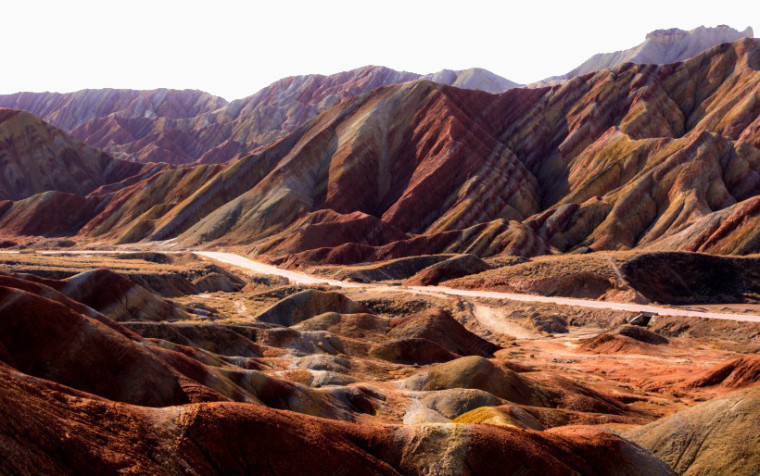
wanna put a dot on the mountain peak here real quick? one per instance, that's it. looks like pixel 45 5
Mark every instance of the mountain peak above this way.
pixel 669 34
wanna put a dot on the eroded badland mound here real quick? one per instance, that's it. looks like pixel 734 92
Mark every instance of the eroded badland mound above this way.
pixel 72 376
pixel 717 437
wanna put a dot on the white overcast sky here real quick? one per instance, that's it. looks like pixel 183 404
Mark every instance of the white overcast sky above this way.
pixel 234 48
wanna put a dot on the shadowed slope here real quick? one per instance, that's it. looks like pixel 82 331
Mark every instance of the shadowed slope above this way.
pixel 44 338
pixel 115 296
pixel 684 278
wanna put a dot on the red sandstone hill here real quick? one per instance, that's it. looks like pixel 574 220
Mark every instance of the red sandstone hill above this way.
pixel 663 157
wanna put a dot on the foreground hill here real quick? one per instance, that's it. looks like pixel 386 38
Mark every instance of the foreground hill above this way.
pixel 717 437
pixel 663 157
pixel 83 393
pixel 182 127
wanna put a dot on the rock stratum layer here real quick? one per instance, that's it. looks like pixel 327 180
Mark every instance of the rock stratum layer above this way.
pixel 637 156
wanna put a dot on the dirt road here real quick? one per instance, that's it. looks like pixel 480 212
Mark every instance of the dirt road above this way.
pixel 237 260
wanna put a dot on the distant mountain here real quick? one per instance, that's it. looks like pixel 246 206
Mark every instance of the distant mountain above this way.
pixel 659 47
pixel 181 127
pixel 145 126
pixel 473 78
pixel 72 110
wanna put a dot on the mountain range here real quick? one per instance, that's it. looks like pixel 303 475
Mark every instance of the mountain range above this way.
pixel 182 127
pixel 662 157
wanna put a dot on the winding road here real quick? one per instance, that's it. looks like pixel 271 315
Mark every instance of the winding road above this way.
pixel 302 278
